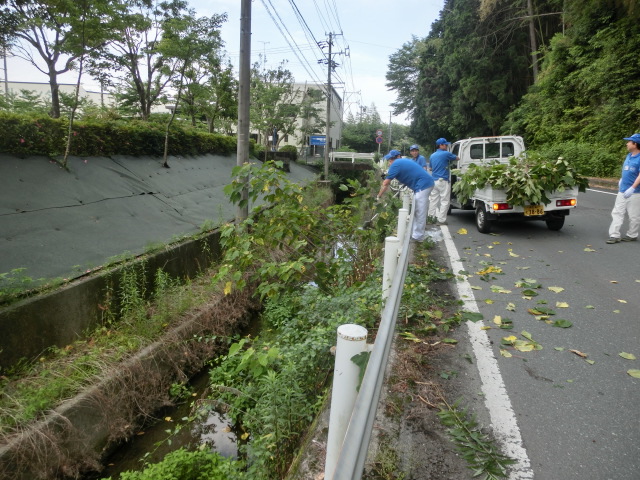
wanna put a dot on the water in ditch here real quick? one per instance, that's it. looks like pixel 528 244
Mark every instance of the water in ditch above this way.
pixel 150 444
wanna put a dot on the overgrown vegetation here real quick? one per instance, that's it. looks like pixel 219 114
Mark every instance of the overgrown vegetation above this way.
pixel 562 73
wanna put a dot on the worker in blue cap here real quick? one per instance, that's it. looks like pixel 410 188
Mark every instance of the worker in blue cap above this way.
pixel 628 199
pixel 439 199
pixel 412 175
pixel 414 151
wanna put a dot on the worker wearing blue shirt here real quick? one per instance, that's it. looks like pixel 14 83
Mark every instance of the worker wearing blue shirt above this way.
pixel 414 150
pixel 409 173
pixel 628 199
pixel 439 199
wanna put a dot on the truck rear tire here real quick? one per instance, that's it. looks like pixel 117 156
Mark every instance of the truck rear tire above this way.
pixel 482 222
pixel 555 223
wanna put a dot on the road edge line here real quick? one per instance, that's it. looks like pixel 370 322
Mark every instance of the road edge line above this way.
pixel 497 401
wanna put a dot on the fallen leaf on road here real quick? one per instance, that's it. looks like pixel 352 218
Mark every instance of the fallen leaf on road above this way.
pixel 562 305
pixel 556 289
pixel 560 349
pixel 496 243
pixel 473 287
pixel 622 301
pixel 590 362
pixel 634 373
pixel 488 301
pixel 562 323
pixel 613 281
pixel 498 289
pixel 523 268
pixel 590 307
pixel 628 356
pixel 506 354
pixel 589 250
pixel 513 254
pixel 497 320
pixel 578 352
pixel 511 307
pixel 462 231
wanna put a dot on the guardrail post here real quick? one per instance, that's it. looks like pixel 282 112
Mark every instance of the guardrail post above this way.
pixel 406 199
pixel 403 215
pixel 352 340
pixel 391 245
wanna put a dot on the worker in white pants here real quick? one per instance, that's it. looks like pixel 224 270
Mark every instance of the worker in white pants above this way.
pixel 440 195
pixel 412 175
pixel 628 198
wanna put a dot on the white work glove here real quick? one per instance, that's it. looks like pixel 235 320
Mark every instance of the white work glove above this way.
pixel 628 192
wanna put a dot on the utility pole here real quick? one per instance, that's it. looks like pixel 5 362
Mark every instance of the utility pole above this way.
pixel 242 212
pixel 390 130
pixel 327 138
pixel 330 66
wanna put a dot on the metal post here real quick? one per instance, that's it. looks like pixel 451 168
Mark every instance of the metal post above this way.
pixel 352 340
pixel 242 212
pixel 391 245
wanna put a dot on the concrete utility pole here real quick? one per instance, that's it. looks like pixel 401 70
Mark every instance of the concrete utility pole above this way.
pixel 242 212
pixel 327 138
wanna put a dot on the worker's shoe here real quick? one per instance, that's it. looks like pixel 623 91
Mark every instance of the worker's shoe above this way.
pixel 627 238
pixel 613 240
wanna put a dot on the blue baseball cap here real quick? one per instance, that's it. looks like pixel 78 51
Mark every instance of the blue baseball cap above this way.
pixel 392 154
pixel 442 141
pixel 634 138
pixel 414 147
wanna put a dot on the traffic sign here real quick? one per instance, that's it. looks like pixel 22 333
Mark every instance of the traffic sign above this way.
pixel 379 133
pixel 378 139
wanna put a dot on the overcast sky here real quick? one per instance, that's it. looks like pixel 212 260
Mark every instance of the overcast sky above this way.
pixel 289 29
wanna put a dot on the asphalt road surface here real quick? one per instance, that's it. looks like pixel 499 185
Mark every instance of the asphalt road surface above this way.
pixel 578 417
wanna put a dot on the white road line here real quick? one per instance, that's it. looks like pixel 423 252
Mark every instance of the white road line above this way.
pixel 497 400
pixel 602 191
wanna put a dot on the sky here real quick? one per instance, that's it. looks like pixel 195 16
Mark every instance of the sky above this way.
pixel 369 30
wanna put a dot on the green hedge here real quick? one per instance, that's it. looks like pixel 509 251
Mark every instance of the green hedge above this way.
pixel 41 135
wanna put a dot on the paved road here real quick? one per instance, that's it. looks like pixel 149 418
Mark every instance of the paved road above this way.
pixel 577 420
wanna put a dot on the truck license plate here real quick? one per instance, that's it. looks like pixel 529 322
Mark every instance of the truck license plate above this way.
pixel 530 210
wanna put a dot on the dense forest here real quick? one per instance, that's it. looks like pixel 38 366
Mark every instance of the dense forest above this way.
pixel 565 74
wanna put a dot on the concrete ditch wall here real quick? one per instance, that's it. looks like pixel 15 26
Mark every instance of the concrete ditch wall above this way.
pixel 75 436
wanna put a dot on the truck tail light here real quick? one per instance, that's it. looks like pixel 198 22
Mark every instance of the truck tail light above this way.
pixel 568 202
pixel 501 206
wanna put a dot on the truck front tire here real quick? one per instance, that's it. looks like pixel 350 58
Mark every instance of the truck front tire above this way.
pixel 482 222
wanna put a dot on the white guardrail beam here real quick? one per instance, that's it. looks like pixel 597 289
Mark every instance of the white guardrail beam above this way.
pixel 353 454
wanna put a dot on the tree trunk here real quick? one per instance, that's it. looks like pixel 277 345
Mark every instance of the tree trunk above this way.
pixel 532 41
pixel 55 94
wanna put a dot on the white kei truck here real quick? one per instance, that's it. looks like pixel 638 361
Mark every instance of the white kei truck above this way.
pixel 490 204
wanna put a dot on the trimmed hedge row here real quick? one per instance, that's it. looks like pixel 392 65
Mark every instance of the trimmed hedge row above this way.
pixel 26 135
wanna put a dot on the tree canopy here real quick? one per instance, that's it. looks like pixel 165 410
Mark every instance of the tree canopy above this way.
pixel 563 73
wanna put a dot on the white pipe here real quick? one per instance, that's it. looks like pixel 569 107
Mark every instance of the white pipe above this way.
pixel 391 246
pixel 352 340
pixel 403 216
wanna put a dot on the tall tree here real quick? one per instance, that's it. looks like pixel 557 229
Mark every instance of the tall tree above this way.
pixel 49 34
pixel 273 110
pixel 186 43
pixel 143 70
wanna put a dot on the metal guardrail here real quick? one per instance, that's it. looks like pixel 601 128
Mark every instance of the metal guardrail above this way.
pixel 351 156
pixel 358 436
